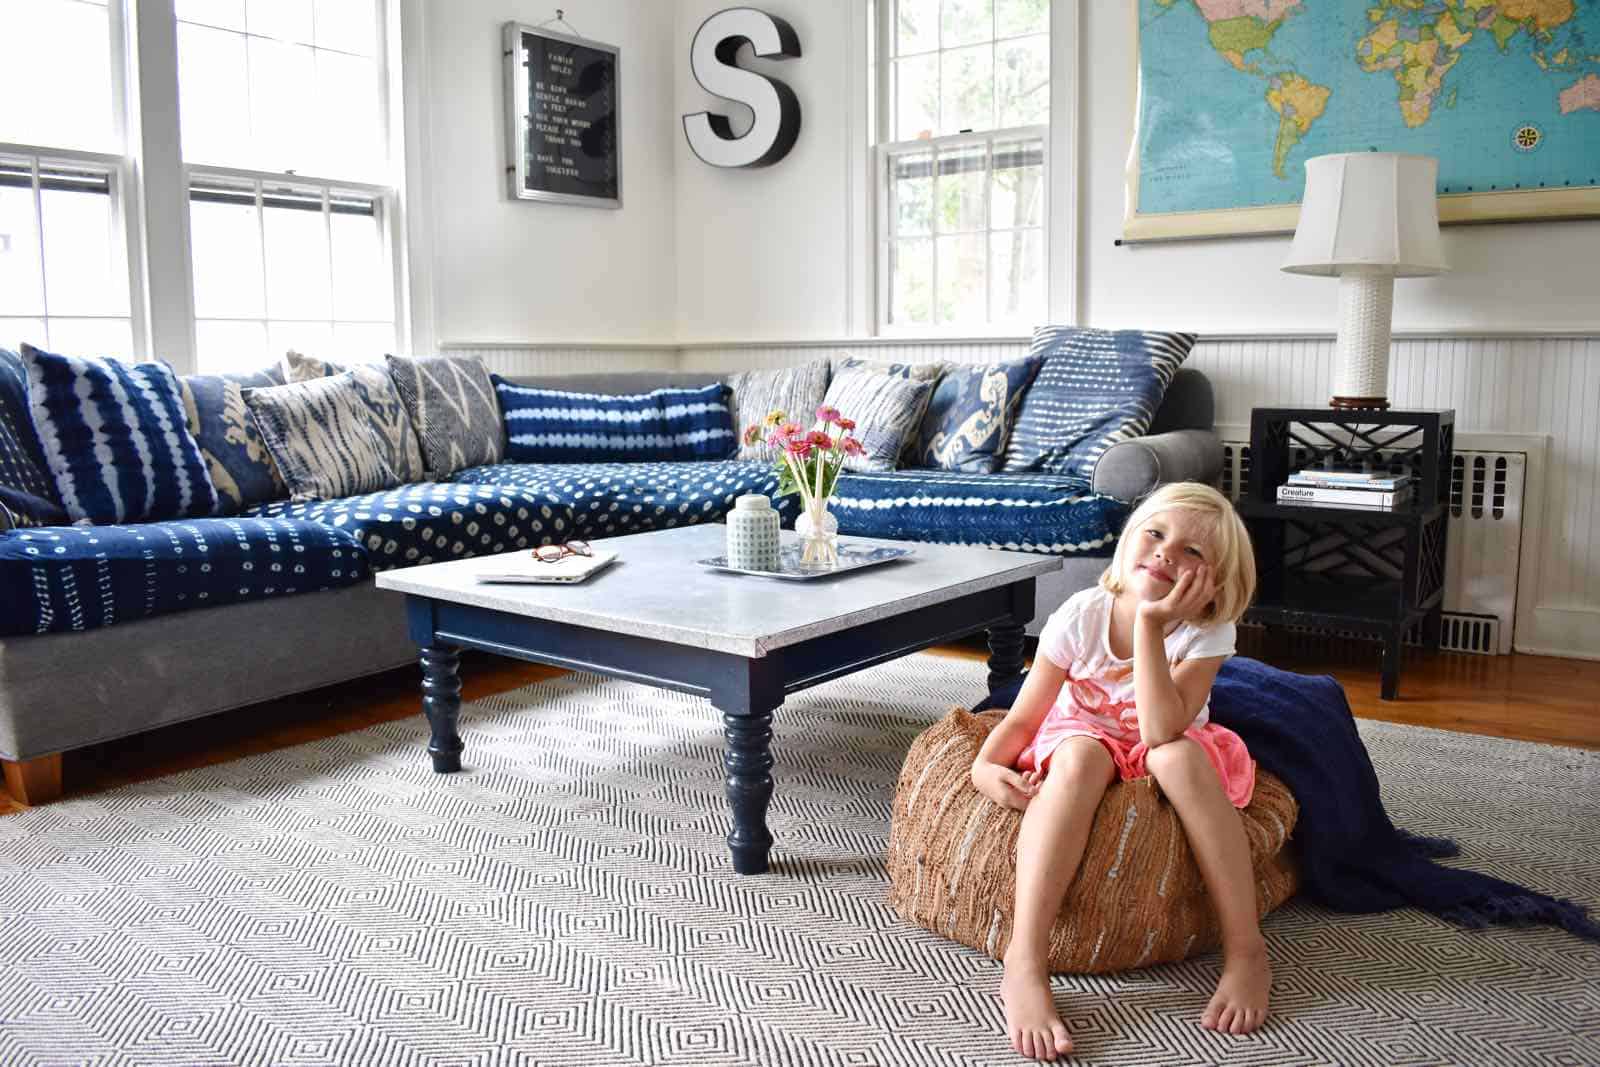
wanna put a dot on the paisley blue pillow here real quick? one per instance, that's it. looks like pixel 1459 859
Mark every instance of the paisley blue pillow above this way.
pixel 1095 389
pixel 236 455
pixel 26 488
pixel 115 439
pixel 971 414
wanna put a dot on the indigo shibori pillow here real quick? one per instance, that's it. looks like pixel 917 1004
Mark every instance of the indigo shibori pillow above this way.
pixel 115 439
pixel 555 426
pixel 1094 389
pixel 26 488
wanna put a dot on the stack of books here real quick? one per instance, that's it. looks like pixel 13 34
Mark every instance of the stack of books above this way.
pixel 1346 488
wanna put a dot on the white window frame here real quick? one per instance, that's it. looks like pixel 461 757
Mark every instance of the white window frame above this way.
pixel 163 180
pixel 118 172
pixel 887 153
pixel 264 184
pixel 871 122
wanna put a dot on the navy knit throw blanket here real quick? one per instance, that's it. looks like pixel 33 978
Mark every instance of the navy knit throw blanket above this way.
pixel 1352 858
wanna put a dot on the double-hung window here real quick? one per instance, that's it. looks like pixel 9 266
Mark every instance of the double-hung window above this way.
pixel 963 120
pixel 292 203
pixel 64 177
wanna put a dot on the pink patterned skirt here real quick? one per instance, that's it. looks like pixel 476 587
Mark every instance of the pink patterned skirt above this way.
pixel 1222 746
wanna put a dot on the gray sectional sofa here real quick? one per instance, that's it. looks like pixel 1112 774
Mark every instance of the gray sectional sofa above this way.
pixel 62 691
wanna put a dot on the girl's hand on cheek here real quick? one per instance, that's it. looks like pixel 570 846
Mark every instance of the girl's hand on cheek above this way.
pixel 1187 599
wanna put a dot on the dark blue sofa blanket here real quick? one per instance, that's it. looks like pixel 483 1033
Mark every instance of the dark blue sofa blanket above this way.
pixel 1352 858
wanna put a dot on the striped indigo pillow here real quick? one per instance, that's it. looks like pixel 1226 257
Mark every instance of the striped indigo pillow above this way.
pixel 887 411
pixel 555 426
pixel 115 439
pixel 1096 388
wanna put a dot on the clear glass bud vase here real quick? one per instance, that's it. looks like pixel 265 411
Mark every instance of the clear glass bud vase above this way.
pixel 818 531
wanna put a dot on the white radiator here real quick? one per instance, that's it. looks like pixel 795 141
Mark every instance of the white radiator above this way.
pixel 1480 588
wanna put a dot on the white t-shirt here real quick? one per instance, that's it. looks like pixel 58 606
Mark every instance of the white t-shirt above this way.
pixel 1076 638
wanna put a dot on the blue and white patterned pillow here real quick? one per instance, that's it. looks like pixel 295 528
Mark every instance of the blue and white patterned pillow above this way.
pixel 338 436
pixel 555 426
pixel 299 367
pixel 1095 389
pixel 971 414
pixel 235 453
pixel 26 488
pixel 115 439
pixel 887 409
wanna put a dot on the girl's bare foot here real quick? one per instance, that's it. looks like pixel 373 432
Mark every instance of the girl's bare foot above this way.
pixel 1240 1003
pixel 1031 1020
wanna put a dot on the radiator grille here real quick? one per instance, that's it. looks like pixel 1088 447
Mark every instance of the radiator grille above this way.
pixel 1486 491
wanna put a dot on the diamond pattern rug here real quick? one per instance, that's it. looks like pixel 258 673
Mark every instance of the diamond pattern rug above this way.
pixel 568 901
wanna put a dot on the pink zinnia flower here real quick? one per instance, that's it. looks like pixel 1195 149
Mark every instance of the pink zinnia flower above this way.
pixel 851 446
pixel 828 413
pixel 789 429
pixel 778 439
pixel 752 434
pixel 798 447
pixel 846 424
pixel 820 439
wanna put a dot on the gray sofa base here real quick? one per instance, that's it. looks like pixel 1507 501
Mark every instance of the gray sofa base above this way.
pixel 64 691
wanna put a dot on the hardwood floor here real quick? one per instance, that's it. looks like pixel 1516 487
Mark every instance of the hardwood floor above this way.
pixel 1533 698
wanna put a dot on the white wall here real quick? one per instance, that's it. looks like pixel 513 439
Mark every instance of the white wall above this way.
pixel 764 252
pixel 500 270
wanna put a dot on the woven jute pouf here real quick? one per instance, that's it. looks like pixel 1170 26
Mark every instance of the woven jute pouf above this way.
pixel 1138 898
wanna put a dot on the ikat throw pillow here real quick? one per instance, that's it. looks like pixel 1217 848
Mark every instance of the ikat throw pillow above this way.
pixel 338 436
pixel 795 391
pixel 886 409
pixel 236 455
pixel 970 415
pixel 115 439
pixel 453 408
pixel 26 488
pixel 1094 389
pixel 556 426
pixel 299 367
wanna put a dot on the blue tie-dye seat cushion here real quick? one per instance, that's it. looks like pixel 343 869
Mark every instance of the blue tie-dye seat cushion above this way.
pixel 430 522
pixel 1050 513
pixel 608 499
pixel 63 578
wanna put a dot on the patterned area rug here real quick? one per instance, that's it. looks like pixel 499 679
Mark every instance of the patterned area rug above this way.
pixel 568 901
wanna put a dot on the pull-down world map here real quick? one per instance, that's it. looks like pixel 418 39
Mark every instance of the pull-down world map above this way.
pixel 1235 95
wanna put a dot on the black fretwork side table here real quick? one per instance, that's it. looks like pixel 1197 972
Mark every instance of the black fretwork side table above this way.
pixel 1344 569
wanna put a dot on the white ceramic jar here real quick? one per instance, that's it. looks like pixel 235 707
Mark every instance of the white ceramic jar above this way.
pixel 753 534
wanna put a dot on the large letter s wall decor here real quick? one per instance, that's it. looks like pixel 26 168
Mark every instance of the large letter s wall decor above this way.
pixel 777 109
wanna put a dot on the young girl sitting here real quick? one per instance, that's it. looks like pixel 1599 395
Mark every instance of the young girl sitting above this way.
pixel 1119 689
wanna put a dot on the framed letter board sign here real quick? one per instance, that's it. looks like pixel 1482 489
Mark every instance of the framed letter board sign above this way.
pixel 562 140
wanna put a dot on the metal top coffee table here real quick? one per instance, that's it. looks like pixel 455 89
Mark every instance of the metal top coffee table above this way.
pixel 657 616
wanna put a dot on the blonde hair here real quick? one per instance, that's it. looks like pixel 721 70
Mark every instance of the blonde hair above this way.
pixel 1233 560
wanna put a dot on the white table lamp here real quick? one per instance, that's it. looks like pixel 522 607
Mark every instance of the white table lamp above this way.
pixel 1369 217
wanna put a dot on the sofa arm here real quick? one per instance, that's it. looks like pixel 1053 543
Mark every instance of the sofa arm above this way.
pixel 1133 468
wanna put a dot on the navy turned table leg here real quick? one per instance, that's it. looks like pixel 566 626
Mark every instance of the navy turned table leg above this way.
pixel 1006 643
pixel 748 762
pixel 441 703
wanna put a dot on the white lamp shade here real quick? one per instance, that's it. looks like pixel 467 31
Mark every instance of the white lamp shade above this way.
pixel 1370 213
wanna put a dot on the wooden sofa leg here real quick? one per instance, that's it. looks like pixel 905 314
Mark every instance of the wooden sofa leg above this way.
pixel 34 781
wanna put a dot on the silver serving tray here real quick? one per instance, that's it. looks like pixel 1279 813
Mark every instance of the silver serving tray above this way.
pixel 851 558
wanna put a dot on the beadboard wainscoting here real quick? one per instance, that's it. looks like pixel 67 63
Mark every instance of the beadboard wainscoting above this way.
pixel 1539 394
pixel 567 359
